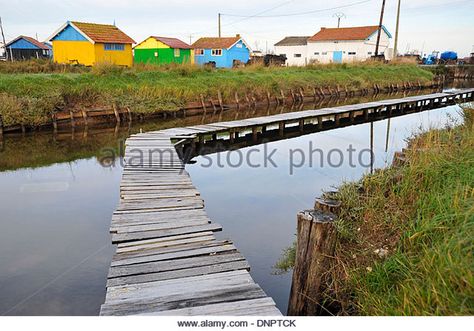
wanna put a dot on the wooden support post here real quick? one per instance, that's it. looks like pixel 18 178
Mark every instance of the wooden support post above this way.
pixel 129 115
pixel 219 98
pixel 55 123
pixel 302 94
pixel 292 96
pixel 1 127
pixel 236 96
pixel 84 116
pixel 282 94
pixel 281 128
pixel 320 122
pixel 366 114
pixel 213 106
pixel 254 134
pixel 231 136
pixel 71 115
pixel 117 115
pixel 316 241
pixel 301 124
pixel 321 91
pixel 337 119
pixel 268 98
pixel 249 105
pixel 351 116
pixel 214 136
pixel 203 104
pixel 315 94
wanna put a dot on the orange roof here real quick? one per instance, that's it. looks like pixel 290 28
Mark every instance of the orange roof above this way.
pixel 103 33
pixel 225 42
pixel 355 33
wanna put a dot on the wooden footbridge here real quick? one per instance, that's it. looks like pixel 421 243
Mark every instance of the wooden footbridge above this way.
pixel 168 261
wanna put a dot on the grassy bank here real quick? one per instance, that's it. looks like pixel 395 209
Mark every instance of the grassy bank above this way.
pixel 406 233
pixel 30 95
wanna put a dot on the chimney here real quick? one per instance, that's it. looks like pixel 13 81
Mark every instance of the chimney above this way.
pixel 238 35
pixel 323 28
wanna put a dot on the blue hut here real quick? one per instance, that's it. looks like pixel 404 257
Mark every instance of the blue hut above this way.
pixel 24 48
pixel 221 52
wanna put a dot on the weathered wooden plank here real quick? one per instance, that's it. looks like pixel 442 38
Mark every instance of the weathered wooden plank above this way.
pixel 185 300
pixel 182 273
pixel 241 307
pixel 161 266
pixel 130 228
pixel 159 249
pixel 121 237
pixel 204 251
pixel 165 241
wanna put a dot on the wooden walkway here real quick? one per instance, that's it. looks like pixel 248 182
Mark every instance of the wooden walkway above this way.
pixel 168 261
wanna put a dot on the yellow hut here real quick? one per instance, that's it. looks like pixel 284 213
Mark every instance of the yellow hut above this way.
pixel 90 43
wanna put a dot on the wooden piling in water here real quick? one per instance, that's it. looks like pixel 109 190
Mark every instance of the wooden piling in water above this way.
pixel 316 241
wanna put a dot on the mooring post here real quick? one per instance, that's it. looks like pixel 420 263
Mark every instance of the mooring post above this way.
pixel 316 242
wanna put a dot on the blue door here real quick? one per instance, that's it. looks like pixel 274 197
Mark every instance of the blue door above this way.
pixel 337 56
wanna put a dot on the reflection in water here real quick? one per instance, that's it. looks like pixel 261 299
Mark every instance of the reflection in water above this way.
pixel 257 206
pixel 57 202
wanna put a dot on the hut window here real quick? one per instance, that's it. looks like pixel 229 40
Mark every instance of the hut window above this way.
pixel 325 53
pixel 297 55
pixel 114 47
pixel 216 52
pixel 176 52
pixel 351 53
pixel 199 51
pixel 369 53
pixel 316 53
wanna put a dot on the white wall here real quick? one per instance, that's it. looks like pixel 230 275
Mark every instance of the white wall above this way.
pixel 290 51
pixel 363 49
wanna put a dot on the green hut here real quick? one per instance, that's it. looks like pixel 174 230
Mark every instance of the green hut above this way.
pixel 162 50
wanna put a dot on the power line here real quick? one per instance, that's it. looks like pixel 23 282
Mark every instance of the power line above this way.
pixel 301 13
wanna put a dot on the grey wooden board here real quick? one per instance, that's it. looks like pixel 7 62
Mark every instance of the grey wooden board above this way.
pixel 121 237
pixel 178 286
pixel 203 251
pixel 159 249
pixel 165 241
pixel 182 273
pixel 161 266
pixel 242 307
pixel 172 244
pixel 233 293
pixel 130 228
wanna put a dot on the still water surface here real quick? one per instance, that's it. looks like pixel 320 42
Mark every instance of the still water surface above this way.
pixel 56 201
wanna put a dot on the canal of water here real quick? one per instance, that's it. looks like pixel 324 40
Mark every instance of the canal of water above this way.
pixel 57 198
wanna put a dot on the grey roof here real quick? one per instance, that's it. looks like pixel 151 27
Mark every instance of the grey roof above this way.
pixel 293 41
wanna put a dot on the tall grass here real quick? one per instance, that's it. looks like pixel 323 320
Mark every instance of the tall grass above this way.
pixel 423 215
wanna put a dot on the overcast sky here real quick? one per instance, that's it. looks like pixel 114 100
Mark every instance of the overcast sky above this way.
pixel 424 25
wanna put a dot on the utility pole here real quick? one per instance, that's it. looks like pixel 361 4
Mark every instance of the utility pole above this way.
pixel 339 16
pixel 219 23
pixel 3 37
pixel 380 30
pixel 395 46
